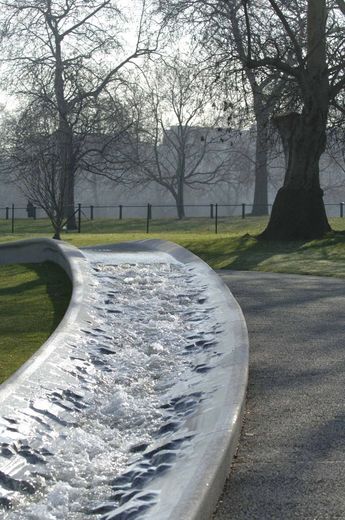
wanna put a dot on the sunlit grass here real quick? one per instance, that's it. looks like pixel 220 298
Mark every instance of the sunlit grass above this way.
pixel 234 247
pixel 137 225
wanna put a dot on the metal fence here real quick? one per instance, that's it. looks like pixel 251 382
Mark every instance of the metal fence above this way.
pixel 12 217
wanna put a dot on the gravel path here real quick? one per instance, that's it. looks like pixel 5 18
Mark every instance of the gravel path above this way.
pixel 291 458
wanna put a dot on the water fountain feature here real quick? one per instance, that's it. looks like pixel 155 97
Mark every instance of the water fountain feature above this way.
pixel 118 415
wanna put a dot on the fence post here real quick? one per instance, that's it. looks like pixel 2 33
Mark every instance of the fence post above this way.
pixel 7 212
pixel 79 218
pixel 120 212
pixel 341 207
pixel 216 220
pixel 148 216
pixel 211 211
pixel 34 212
pixel 243 211
pixel 12 218
pixel 91 212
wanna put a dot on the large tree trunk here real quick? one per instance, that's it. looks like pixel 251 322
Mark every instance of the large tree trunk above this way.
pixel 298 211
pixel 260 202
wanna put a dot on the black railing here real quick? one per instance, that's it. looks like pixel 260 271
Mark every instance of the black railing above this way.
pixel 216 212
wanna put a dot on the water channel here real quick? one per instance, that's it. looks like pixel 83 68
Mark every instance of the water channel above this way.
pixel 86 439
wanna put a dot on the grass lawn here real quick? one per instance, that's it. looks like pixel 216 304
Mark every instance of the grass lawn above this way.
pixel 33 300
pixel 234 247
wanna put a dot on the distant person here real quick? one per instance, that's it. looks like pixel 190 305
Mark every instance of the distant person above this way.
pixel 30 209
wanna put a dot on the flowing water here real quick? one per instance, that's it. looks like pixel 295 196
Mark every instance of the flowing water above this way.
pixel 89 444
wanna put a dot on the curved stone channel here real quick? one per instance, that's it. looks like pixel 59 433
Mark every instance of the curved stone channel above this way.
pixel 126 400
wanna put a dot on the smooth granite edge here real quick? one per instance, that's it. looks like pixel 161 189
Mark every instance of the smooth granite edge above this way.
pixel 196 486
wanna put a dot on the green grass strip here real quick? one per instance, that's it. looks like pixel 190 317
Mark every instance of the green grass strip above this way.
pixel 33 300
pixel 236 246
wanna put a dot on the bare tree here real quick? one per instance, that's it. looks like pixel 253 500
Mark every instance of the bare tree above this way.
pixel 182 143
pixel 31 159
pixel 261 92
pixel 218 28
pixel 65 54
